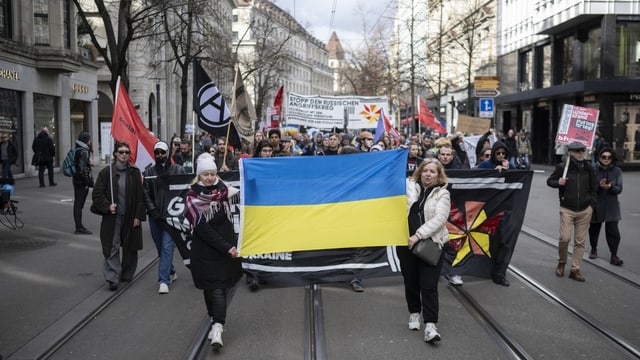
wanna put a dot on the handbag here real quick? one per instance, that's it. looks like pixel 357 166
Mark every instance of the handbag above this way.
pixel 35 160
pixel 427 251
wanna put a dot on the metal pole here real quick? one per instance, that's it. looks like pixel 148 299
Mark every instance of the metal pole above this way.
pixel 159 122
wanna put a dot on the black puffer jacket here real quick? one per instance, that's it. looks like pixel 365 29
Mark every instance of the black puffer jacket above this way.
pixel 580 190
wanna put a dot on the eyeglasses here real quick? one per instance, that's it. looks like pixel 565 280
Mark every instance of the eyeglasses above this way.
pixel 501 153
pixel 159 152
pixel 605 157
pixel 124 152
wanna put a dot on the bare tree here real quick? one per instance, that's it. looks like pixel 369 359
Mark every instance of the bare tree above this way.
pixel 123 22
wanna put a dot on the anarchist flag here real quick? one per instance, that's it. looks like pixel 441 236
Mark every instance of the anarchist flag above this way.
pixel 210 108
pixel 487 211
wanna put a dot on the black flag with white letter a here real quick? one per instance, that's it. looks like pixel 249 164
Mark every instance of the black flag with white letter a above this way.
pixel 210 108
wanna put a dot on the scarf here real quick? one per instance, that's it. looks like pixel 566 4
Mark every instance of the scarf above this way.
pixel 205 202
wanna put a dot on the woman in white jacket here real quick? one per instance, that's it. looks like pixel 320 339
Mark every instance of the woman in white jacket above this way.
pixel 428 205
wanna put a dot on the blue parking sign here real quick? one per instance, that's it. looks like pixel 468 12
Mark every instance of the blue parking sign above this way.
pixel 486 104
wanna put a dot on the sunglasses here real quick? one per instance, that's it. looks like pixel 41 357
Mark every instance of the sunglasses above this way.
pixel 124 152
pixel 605 157
pixel 500 153
pixel 486 156
pixel 579 150
pixel 159 152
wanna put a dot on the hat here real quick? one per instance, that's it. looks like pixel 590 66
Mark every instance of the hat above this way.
pixel 365 134
pixel 161 145
pixel 205 162
pixel 376 148
pixel 84 137
pixel 577 145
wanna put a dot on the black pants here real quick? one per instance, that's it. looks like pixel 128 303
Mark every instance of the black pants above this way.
pixel 216 301
pixel 79 197
pixel 420 284
pixel 49 166
pixel 611 232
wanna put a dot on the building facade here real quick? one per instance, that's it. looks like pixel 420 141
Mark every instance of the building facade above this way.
pixel 557 52
pixel 46 80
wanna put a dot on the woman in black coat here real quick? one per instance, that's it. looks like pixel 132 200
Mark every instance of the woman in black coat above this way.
pixel 609 178
pixel 215 262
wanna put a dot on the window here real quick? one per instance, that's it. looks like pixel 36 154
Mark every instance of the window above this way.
pixel 5 19
pixel 525 69
pixel 568 46
pixel 627 49
pixel 591 54
pixel 41 22
pixel 67 23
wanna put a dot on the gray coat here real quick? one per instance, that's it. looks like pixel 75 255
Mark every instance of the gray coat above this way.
pixel 608 207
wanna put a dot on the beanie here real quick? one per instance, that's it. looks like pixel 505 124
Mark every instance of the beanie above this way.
pixel 205 162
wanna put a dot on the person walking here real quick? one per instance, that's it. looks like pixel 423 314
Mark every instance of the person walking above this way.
pixel 118 196
pixel 82 180
pixel 428 205
pixel 8 156
pixel 44 151
pixel 577 192
pixel 609 179
pixel 215 263
pixel 153 197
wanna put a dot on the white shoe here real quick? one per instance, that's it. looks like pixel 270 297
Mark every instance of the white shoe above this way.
pixel 163 289
pixel 431 333
pixel 216 336
pixel 414 321
pixel 456 280
pixel 173 277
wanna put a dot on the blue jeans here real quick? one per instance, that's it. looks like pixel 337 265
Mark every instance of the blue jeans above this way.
pixel 164 245
pixel 6 170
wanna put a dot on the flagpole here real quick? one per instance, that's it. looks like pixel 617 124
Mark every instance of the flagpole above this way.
pixel 193 141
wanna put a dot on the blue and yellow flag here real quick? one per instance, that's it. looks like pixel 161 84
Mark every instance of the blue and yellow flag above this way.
pixel 323 202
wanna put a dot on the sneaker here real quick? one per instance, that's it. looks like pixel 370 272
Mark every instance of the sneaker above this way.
pixel 593 254
pixel 455 280
pixel 163 289
pixel 173 277
pixel 357 286
pixel 216 336
pixel 83 231
pixel 113 286
pixel 414 321
pixel 253 284
pixel 431 333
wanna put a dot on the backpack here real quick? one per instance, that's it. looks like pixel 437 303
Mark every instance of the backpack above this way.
pixel 69 164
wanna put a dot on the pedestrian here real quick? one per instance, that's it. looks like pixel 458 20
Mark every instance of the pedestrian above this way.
pixel 153 198
pixel 365 141
pixel 609 179
pixel 225 160
pixel 413 160
pixel 82 180
pixel 118 196
pixel 429 204
pixel 511 142
pixel 8 156
pixel 447 156
pixel 498 159
pixel 524 150
pixel 577 192
pixel 485 154
pixel 215 265
pixel 43 153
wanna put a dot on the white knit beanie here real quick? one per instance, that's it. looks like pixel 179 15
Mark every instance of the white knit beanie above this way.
pixel 205 162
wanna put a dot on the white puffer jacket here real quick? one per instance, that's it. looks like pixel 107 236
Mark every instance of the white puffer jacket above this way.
pixel 436 212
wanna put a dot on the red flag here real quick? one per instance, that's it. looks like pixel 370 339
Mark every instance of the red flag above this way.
pixel 277 106
pixel 127 126
pixel 426 117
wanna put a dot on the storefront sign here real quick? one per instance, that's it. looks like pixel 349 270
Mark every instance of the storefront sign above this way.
pixel 79 88
pixel 9 74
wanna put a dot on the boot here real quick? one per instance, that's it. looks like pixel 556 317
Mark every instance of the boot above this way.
pixel 575 275
pixel 216 336
pixel 560 269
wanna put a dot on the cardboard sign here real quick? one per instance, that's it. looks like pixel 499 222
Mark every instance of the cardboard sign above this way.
pixel 469 124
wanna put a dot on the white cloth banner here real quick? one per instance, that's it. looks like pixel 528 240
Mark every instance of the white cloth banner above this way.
pixel 326 112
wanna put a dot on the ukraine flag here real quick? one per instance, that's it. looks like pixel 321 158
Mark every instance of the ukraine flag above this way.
pixel 323 202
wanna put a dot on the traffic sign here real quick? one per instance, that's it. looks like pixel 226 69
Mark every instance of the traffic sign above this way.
pixel 486 92
pixel 486 107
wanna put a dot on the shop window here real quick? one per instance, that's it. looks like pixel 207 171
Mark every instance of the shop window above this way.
pixel 41 22
pixel 568 47
pixel 626 131
pixel 628 49
pixel 546 66
pixel 591 54
pixel 525 69
pixel 44 113
pixel 5 19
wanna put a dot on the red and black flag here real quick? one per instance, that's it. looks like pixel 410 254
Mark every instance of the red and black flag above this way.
pixel 210 108
pixel 487 211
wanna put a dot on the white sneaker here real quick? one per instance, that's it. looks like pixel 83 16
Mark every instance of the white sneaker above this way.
pixel 414 321
pixel 431 333
pixel 173 277
pixel 216 336
pixel 455 280
pixel 163 289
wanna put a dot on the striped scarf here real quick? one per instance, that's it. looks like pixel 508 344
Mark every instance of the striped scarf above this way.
pixel 205 202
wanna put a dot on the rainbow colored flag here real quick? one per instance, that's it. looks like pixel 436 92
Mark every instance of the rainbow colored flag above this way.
pixel 323 202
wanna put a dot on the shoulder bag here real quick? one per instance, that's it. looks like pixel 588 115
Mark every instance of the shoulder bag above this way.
pixel 427 251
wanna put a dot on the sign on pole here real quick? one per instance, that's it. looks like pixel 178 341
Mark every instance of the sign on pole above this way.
pixel 577 123
pixel 486 108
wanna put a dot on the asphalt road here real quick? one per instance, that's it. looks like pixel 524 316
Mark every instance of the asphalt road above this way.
pixel 51 279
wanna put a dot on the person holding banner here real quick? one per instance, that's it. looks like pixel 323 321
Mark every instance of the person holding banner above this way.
pixel 576 183
pixel 215 262
pixel 429 204
pixel 119 197
pixel 153 196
